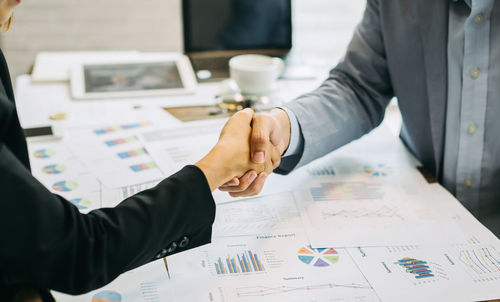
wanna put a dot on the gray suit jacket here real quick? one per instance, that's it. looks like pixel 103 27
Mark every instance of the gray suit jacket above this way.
pixel 398 49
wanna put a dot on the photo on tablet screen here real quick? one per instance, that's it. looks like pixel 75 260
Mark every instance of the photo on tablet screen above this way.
pixel 132 77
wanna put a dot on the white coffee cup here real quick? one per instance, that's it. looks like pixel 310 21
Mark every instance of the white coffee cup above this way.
pixel 255 74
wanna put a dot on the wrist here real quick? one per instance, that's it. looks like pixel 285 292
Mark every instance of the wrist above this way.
pixel 216 168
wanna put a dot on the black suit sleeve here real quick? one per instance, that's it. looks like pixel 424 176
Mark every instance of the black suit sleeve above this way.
pixel 46 241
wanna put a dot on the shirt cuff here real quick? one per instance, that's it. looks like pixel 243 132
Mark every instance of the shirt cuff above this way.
pixel 296 140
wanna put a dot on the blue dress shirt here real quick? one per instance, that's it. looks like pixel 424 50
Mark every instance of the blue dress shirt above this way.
pixel 471 158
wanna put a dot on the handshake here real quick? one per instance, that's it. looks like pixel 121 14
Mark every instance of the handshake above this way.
pixel 248 150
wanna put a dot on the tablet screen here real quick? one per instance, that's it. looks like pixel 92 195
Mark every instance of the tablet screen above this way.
pixel 132 77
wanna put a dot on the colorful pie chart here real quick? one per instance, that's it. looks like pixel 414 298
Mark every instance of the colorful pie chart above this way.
pixel 54 169
pixel 44 153
pixel 81 203
pixel 65 186
pixel 318 257
pixel 107 296
pixel 378 170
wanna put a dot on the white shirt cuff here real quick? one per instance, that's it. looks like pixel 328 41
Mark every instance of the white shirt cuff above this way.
pixel 296 140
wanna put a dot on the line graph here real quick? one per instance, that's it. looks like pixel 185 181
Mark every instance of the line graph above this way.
pixel 382 212
pixel 257 291
pixel 481 262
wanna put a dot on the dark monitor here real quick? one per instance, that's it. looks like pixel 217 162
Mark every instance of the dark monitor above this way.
pixel 211 25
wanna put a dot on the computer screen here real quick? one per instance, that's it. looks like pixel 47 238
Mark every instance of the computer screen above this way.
pixel 237 24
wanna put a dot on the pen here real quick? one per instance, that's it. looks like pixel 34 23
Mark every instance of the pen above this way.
pixel 166 266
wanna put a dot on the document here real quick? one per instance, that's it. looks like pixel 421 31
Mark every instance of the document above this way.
pixel 114 153
pixel 268 267
pixel 112 197
pixel 460 272
pixel 61 172
pixel 148 283
pixel 255 216
pixel 355 212
pixel 175 147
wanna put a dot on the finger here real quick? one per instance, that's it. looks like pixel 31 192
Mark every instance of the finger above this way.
pixel 245 182
pixel 254 189
pixel 233 182
pixel 240 118
pixel 262 126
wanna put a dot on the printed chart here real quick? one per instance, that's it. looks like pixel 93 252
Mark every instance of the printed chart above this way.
pixel 44 153
pixel 418 269
pixel 482 263
pixel 378 170
pixel 81 203
pixel 116 128
pixel 65 186
pixel 329 191
pixel 132 153
pixel 59 170
pixel 261 215
pixel 272 267
pixel 245 262
pixel 318 257
pixel 148 283
pixel 120 141
pixel 54 169
pixel 382 212
pixel 107 296
pixel 424 273
pixel 371 214
pixel 113 150
pixel 259 291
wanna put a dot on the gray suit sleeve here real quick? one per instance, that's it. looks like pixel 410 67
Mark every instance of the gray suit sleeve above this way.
pixel 352 101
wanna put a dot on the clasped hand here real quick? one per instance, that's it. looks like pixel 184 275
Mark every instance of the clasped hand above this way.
pixel 249 149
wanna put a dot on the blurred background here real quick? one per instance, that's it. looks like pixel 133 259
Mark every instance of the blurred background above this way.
pixel 321 28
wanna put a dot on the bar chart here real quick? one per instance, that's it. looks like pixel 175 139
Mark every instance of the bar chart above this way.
pixel 419 268
pixel 245 262
pixel 346 191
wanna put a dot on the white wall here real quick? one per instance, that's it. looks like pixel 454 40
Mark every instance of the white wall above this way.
pixel 42 25
pixel 322 28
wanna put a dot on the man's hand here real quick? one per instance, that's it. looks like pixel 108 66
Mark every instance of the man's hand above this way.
pixel 268 130
pixel 230 157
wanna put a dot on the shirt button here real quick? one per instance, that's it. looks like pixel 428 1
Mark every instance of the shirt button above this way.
pixel 161 254
pixel 468 182
pixel 479 18
pixel 184 242
pixel 474 73
pixel 172 247
pixel 472 128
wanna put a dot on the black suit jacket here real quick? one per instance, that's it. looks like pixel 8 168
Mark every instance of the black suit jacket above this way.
pixel 46 243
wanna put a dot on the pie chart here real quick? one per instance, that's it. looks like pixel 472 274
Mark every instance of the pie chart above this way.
pixel 107 296
pixel 54 169
pixel 44 153
pixel 318 257
pixel 81 203
pixel 377 170
pixel 65 186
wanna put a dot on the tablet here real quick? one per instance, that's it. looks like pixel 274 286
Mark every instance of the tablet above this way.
pixel 133 77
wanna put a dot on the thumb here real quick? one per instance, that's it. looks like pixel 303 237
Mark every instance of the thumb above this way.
pixel 262 128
